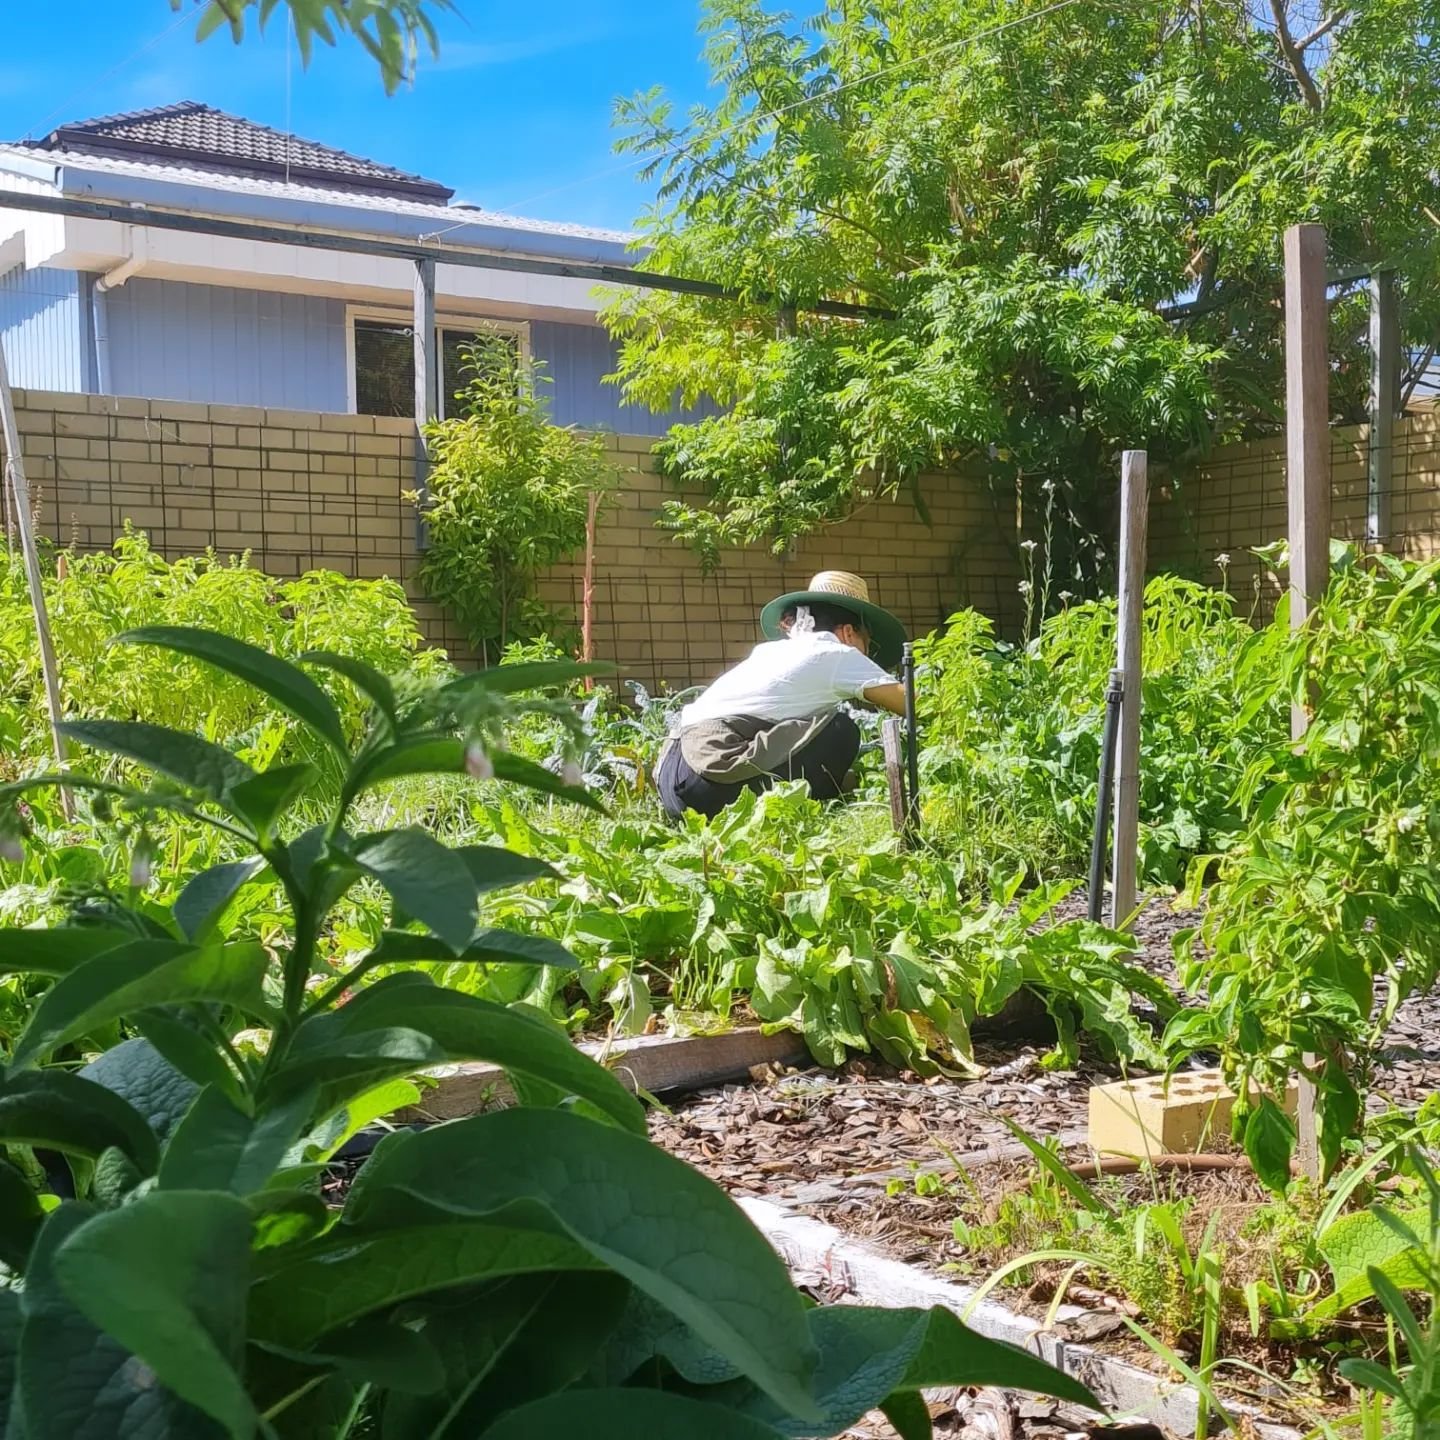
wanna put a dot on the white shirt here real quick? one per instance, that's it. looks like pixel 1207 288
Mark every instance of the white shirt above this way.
pixel 788 679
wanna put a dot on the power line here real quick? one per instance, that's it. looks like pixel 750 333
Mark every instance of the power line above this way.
pixel 185 17
pixel 959 43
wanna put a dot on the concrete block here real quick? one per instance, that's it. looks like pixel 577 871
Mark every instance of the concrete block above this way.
pixel 1176 1115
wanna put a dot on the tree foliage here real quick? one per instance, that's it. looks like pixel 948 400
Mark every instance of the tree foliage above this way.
pixel 1072 214
pixel 508 496
pixel 390 30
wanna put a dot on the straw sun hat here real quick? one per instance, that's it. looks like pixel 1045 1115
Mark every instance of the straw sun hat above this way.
pixel 848 592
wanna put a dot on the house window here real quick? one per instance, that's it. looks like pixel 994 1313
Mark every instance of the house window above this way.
pixel 384 364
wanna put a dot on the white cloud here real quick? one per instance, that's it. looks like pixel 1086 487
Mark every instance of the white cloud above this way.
pixel 482 55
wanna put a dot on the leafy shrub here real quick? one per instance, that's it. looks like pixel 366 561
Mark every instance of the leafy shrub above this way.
pixel 812 919
pixel 1013 736
pixel 1330 898
pixel 509 495
pixel 102 594
pixel 539 1272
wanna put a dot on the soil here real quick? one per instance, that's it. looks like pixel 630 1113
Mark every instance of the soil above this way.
pixel 846 1146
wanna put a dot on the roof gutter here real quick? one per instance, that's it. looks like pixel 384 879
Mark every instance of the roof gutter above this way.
pixel 429 254
pixel 353 218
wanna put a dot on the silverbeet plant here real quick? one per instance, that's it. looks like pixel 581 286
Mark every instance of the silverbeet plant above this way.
pixel 532 1272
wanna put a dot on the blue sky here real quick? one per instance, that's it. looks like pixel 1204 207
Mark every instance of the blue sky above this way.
pixel 515 114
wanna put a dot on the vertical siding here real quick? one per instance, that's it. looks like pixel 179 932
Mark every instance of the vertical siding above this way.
pixel 215 345
pixel 40 325
pixel 577 359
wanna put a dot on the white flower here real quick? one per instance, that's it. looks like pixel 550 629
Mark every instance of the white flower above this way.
pixel 1223 560
pixel 1027 544
pixel 1024 587
pixel 1066 596
pixel 140 867
pixel 1048 486
pixel 1407 822
pixel 478 765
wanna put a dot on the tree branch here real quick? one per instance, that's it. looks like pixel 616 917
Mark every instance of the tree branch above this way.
pixel 1294 57
pixel 1323 29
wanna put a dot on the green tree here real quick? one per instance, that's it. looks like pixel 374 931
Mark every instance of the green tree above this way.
pixel 391 30
pixel 1072 214
pixel 508 496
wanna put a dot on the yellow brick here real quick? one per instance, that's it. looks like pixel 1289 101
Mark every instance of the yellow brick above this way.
pixel 1164 1116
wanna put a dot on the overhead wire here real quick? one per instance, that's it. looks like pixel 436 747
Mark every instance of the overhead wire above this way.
pixel 185 17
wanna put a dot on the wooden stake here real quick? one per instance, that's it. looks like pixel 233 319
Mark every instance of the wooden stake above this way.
pixel 24 524
pixel 427 383
pixel 1384 402
pixel 587 593
pixel 1307 455
pixel 1134 517
pixel 895 773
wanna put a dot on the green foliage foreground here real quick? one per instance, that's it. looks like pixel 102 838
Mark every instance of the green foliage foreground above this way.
pixel 537 1272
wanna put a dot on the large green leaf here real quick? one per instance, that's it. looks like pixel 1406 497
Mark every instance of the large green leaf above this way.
pixel 138 1073
pixel 374 1037
pixel 56 1110
pixel 166 1276
pixel 624 1415
pixel 505 1345
pixel 73 1381
pixel 185 1048
pixel 425 878
pixel 365 678
pixel 308 1290
pixel 262 801
pixel 206 894
pixel 434 754
pixel 867 1356
pixel 217 1147
pixel 1354 1245
pixel 200 764
pixel 492 867
pixel 486 947
pixel 290 687
pixel 135 977
pixel 20 1220
pixel 664 1227
pixel 57 951
pixel 10 1322
pixel 527 675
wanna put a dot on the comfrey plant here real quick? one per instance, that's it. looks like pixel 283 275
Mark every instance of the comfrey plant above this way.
pixel 541 1271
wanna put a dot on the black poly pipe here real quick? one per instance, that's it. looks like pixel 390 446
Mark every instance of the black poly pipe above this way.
pixel 1114 693
pixel 912 743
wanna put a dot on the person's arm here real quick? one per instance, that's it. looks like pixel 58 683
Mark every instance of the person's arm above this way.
pixel 887 694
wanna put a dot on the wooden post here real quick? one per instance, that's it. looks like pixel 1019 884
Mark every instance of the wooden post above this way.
pixel 1130 616
pixel 24 524
pixel 587 593
pixel 1307 463
pixel 427 382
pixel 895 773
pixel 1384 402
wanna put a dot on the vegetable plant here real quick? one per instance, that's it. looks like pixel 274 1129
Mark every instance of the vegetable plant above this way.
pixel 541 1271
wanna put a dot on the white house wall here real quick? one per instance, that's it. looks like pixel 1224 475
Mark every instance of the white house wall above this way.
pixel 43 329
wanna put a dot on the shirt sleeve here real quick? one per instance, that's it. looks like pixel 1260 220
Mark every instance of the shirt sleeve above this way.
pixel 857 673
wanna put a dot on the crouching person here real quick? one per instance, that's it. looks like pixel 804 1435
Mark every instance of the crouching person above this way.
pixel 776 715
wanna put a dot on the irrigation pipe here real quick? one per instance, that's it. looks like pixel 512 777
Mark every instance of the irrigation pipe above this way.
pixel 1114 694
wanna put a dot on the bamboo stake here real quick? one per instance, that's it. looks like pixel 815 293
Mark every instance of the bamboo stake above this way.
pixel 587 593
pixel 24 524
pixel 1134 515
pixel 1307 455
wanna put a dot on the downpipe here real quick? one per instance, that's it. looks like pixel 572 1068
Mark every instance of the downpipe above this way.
pixel 912 743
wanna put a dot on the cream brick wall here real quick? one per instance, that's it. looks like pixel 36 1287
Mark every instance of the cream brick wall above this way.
pixel 1235 500
pixel 304 491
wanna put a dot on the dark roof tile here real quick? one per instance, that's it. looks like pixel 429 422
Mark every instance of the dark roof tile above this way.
pixel 211 139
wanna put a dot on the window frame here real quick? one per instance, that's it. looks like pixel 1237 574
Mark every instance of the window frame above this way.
pixel 444 320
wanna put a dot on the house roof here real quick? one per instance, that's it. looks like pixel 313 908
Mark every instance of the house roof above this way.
pixel 207 139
